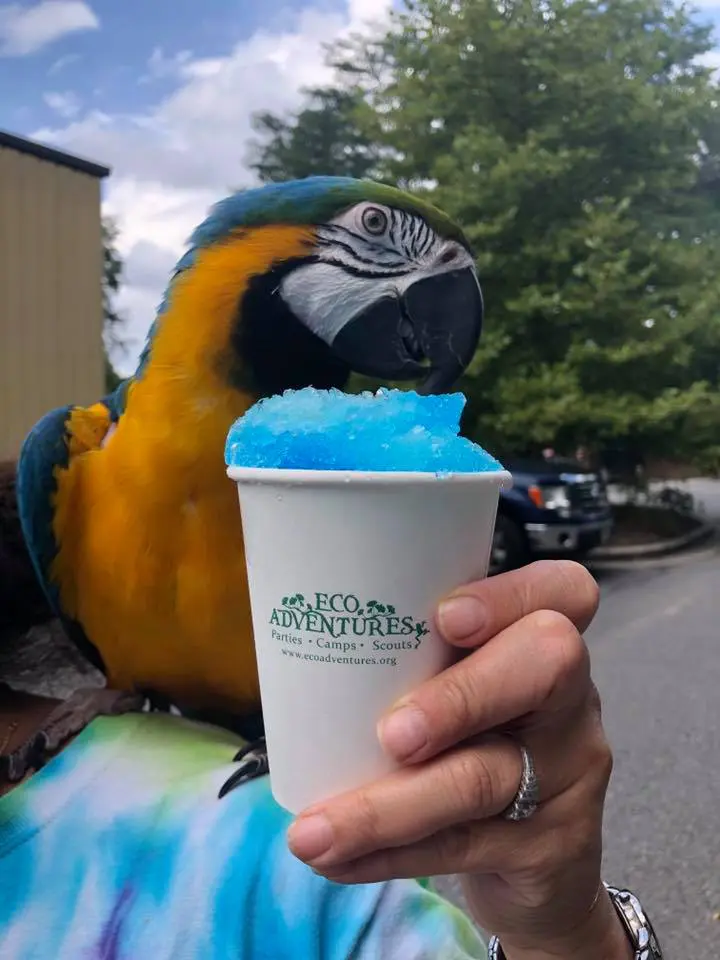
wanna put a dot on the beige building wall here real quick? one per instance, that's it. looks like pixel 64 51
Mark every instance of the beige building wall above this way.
pixel 51 350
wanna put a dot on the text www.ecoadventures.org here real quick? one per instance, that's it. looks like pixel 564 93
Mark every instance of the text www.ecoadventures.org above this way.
pixel 329 658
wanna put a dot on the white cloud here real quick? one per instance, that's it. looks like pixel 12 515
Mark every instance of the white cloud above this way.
pixel 362 12
pixel 710 59
pixel 27 29
pixel 160 65
pixel 63 62
pixel 66 105
pixel 173 161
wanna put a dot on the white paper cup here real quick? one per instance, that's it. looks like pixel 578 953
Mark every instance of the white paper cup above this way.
pixel 345 571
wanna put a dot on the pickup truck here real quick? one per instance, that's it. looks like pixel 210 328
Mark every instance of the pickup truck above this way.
pixel 555 508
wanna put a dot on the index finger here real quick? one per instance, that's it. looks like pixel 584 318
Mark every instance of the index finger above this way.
pixel 476 612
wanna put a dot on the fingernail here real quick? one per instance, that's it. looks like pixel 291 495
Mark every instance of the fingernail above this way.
pixel 404 732
pixel 310 837
pixel 461 617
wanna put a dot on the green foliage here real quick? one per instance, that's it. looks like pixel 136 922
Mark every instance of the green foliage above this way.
pixel 566 137
pixel 112 377
pixel 112 321
pixel 578 143
pixel 326 137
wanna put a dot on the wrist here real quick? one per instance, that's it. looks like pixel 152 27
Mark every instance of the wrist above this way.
pixel 601 937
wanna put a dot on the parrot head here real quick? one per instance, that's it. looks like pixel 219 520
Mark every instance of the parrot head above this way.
pixel 375 281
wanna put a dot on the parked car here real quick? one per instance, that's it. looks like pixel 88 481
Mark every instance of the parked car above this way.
pixel 555 508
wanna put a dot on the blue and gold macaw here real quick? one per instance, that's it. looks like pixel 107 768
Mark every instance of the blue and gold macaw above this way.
pixel 132 524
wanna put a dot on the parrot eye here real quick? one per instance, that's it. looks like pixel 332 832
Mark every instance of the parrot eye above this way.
pixel 375 221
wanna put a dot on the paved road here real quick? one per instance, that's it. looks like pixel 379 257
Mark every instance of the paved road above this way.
pixel 656 659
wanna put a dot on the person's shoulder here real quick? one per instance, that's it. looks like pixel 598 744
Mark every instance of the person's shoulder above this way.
pixel 236 861
pixel 170 754
pixel 160 769
pixel 199 744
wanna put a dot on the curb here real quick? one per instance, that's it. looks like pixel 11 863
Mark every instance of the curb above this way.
pixel 659 549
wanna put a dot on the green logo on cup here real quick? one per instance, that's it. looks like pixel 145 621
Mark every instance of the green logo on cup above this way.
pixel 343 615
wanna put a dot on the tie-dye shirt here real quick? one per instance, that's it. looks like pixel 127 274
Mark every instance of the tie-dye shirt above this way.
pixel 120 850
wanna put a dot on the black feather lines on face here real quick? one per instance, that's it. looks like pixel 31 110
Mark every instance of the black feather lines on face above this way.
pixel 271 349
pixel 406 241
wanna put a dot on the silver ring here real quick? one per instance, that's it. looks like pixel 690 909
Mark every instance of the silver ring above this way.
pixel 526 799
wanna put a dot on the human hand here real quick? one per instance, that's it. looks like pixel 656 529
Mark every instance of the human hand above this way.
pixel 525 680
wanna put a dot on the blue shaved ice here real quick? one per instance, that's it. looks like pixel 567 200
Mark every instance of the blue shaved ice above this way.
pixel 390 430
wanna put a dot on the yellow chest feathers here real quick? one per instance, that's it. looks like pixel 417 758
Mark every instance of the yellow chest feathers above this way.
pixel 158 585
pixel 151 556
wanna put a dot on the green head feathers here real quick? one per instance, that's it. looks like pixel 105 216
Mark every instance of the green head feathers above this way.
pixel 312 201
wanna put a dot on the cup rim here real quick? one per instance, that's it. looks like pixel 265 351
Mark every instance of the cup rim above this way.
pixel 275 475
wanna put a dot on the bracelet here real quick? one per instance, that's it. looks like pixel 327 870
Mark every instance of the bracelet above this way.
pixel 495 951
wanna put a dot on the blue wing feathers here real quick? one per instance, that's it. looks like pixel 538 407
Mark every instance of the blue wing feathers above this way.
pixel 115 401
pixel 44 449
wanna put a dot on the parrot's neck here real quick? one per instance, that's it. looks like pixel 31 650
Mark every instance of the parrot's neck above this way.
pixel 223 339
pixel 172 435
pixel 181 405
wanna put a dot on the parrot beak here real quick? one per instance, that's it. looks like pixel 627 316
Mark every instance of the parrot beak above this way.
pixel 431 330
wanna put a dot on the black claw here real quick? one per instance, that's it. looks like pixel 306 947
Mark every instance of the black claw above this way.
pixel 254 764
pixel 156 702
pixel 257 746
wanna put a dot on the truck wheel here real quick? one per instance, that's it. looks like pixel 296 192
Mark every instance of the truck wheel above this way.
pixel 509 549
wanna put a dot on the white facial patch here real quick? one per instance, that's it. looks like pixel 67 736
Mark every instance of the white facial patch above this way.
pixel 367 253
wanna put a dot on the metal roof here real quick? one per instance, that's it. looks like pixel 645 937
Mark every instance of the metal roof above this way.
pixel 39 150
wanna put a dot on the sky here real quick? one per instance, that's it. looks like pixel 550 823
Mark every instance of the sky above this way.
pixel 163 92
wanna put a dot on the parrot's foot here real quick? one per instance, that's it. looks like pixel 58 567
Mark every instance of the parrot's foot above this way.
pixel 157 702
pixel 253 760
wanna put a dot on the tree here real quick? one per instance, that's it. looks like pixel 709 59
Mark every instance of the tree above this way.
pixel 325 137
pixel 112 320
pixel 578 143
